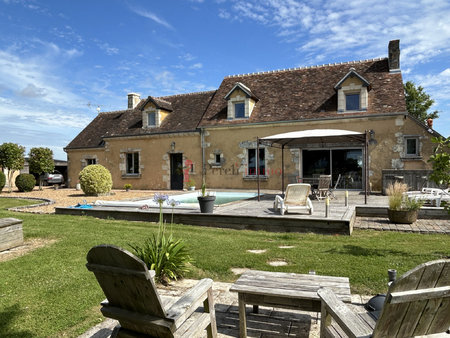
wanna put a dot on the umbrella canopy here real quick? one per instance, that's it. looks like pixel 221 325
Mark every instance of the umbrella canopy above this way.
pixel 296 139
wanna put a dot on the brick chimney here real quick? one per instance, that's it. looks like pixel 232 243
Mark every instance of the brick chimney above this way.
pixel 394 56
pixel 133 100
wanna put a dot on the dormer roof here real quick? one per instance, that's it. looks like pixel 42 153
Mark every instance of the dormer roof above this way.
pixel 159 103
pixel 352 73
pixel 242 87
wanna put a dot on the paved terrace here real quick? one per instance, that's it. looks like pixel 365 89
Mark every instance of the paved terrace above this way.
pixel 269 322
pixel 254 215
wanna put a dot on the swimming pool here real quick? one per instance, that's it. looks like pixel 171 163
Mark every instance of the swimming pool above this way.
pixel 188 200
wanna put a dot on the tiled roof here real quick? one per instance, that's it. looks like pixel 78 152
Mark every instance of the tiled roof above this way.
pixel 187 110
pixel 286 95
pixel 308 93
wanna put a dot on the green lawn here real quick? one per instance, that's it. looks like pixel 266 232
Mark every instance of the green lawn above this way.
pixel 49 291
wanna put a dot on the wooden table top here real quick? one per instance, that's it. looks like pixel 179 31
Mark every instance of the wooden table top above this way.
pixel 292 285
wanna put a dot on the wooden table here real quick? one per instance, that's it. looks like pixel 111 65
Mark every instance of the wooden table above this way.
pixel 284 290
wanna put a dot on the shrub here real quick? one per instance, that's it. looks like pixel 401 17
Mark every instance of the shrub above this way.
pixel 397 199
pixel 2 180
pixel 25 182
pixel 95 180
pixel 127 186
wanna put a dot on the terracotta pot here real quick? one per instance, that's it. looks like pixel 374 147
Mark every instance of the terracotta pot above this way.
pixel 402 216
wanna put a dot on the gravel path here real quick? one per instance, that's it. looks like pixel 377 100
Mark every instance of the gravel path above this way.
pixel 65 197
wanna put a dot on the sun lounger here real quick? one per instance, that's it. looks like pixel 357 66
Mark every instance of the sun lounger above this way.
pixel 296 199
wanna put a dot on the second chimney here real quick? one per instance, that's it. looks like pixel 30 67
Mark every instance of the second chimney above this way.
pixel 394 56
pixel 133 100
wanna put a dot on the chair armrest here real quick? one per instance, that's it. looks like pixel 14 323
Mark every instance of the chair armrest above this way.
pixel 189 302
pixel 349 322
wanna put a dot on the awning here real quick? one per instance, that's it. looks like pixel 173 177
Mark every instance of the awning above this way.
pixel 296 139
pixel 319 137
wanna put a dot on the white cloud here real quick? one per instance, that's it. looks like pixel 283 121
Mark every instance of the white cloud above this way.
pixel 107 48
pixel 197 65
pixel 32 91
pixel 333 27
pixel 152 16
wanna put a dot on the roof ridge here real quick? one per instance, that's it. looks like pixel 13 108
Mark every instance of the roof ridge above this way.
pixel 160 99
pixel 114 111
pixel 193 93
pixel 307 67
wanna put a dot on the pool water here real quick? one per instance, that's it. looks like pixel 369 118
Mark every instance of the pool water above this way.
pixel 222 197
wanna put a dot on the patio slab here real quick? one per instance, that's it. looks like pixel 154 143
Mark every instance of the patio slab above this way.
pixel 269 322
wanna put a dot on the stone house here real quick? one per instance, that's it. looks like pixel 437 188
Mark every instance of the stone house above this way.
pixel 162 142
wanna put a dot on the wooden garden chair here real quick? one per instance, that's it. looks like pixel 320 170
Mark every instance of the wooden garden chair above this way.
pixel 323 189
pixel 132 298
pixel 417 304
pixel 296 199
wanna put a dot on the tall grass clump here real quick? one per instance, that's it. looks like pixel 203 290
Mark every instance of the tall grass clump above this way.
pixel 395 192
pixel 169 257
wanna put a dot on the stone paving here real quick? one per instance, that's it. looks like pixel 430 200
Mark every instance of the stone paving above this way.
pixel 423 226
pixel 269 322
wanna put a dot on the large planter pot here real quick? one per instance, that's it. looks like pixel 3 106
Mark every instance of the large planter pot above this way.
pixel 206 204
pixel 402 216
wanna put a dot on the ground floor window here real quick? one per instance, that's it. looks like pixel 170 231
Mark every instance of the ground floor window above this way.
pixel 252 162
pixel 345 162
pixel 91 161
pixel 132 163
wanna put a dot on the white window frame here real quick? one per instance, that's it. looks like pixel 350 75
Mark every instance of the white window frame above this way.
pixel 133 155
pixel 248 174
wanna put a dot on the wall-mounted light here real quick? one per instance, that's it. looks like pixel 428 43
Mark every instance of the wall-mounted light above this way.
pixel 372 140
pixel 172 146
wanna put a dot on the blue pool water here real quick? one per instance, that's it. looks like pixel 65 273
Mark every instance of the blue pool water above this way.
pixel 222 197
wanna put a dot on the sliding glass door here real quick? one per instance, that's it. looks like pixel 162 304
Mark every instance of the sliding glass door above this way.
pixel 348 163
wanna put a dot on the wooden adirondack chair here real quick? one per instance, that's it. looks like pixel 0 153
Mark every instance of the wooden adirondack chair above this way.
pixel 417 304
pixel 133 300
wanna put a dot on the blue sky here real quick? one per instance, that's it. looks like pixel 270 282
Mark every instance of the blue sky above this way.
pixel 61 59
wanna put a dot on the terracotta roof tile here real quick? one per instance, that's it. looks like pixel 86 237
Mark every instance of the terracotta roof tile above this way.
pixel 308 93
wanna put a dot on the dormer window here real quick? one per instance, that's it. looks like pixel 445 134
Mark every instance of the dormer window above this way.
pixel 241 102
pixel 151 119
pixel 352 101
pixel 352 91
pixel 154 111
pixel 239 110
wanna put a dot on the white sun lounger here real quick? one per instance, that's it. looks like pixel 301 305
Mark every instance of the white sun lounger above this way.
pixel 296 199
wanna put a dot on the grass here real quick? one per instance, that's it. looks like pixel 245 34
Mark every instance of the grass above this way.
pixel 49 291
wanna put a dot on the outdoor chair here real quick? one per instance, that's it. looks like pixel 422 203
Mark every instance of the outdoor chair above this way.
pixel 417 304
pixel 323 189
pixel 296 199
pixel 132 298
pixel 433 196
pixel 331 192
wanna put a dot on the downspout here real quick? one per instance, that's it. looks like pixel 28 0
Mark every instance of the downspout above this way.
pixel 282 169
pixel 257 167
pixel 366 165
pixel 202 141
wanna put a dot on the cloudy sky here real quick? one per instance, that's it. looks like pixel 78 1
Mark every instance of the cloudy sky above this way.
pixel 60 60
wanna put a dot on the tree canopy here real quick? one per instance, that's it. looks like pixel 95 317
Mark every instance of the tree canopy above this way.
pixel 41 161
pixel 418 102
pixel 12 159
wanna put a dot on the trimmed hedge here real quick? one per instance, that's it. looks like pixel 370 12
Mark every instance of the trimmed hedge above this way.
pixel 95 180
pixel 2 180
pixel 25 182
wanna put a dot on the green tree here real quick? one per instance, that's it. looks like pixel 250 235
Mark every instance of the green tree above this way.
pixel 418 102
pixel 440 160
pixel 41 161
pixel 12 159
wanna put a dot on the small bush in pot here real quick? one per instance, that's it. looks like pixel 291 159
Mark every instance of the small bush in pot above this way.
pixel 127 186
pixel 95 180
pixel 401 208
pixel 25 182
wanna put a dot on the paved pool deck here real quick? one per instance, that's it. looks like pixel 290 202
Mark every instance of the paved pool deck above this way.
pixel 260 215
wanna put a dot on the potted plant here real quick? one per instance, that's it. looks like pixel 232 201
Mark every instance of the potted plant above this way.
pixel 206 201
pixel 190 184
pixel 402 209
pixel 127 187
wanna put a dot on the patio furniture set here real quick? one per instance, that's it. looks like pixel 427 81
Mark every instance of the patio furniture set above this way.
pixel 417 304
pixel 432 196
